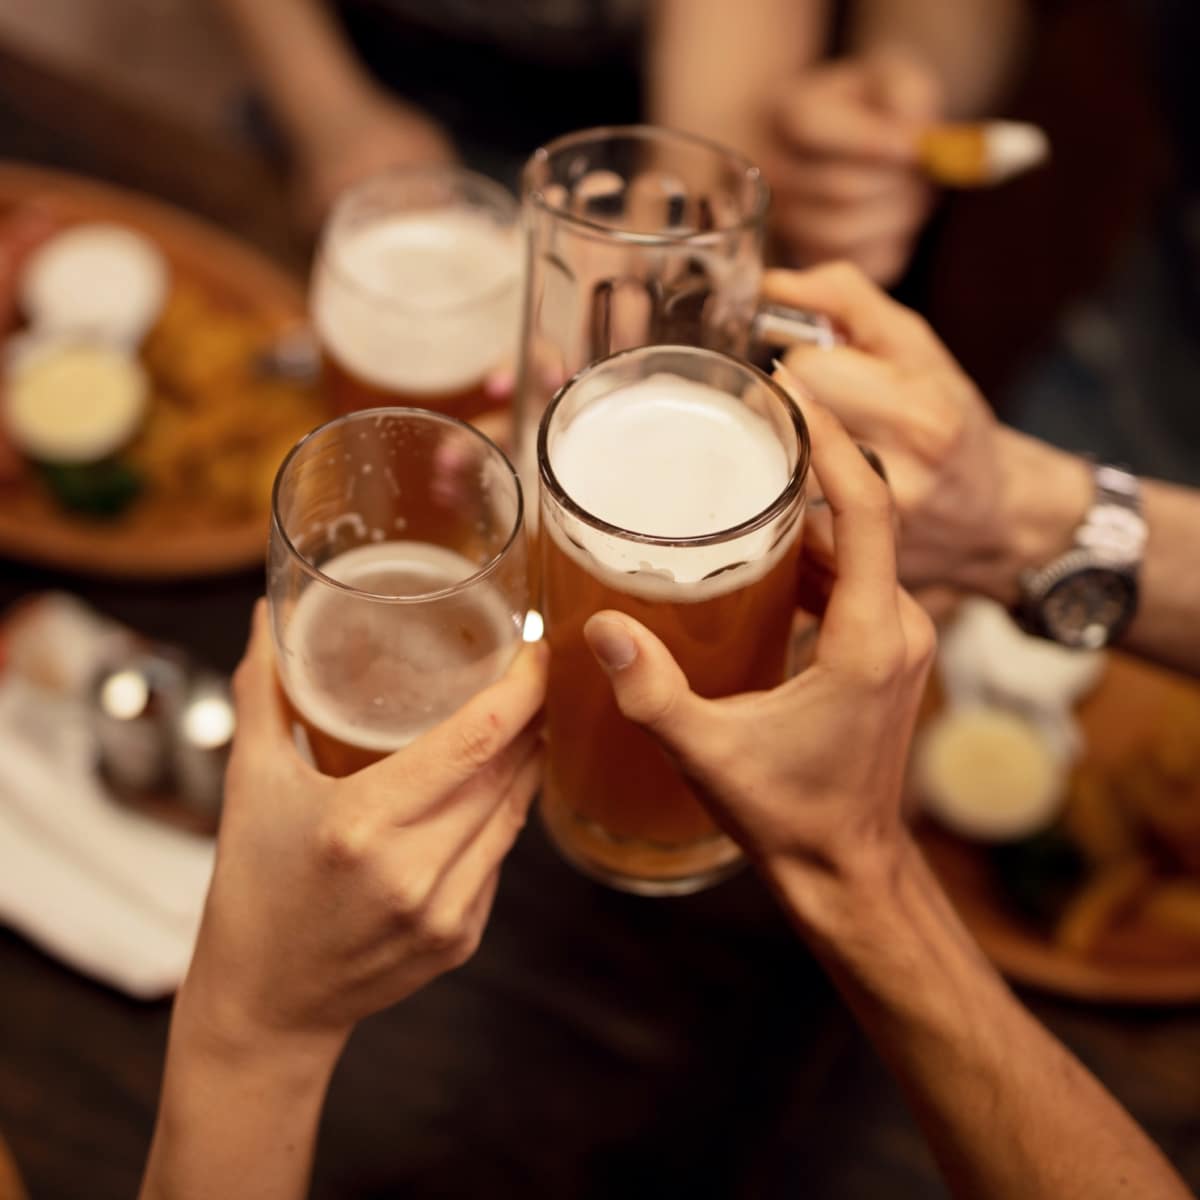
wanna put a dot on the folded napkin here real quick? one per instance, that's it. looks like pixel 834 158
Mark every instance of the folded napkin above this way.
pixel 114 894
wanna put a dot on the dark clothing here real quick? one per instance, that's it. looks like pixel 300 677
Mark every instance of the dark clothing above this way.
pixel 504 76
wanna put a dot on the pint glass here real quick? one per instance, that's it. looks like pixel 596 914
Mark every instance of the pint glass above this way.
pixel 396 579
pixel 639 236
pixel 672 489
pixel 416 291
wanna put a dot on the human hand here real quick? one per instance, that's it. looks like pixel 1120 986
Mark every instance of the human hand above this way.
pixel 807 777
pixel 843 162
pixel 977 501
pixel 371 135
pixel 334 898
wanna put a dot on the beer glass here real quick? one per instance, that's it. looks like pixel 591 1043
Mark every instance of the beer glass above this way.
pixel 672 485
pixel 396 578
pixel 638 236
pixel 416 291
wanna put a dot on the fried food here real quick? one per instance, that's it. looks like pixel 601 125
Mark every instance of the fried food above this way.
pixel 217 428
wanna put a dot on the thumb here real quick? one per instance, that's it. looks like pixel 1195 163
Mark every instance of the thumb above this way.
pixel 649 686
pixel 901 84
pixel 256 690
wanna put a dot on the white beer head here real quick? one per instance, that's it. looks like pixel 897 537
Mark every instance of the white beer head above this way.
pixel 420 303
pixel 672 459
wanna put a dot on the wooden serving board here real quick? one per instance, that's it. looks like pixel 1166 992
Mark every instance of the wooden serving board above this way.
pixel 1129 965
pixel 140 544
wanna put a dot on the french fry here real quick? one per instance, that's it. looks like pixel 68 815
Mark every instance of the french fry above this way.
pixel 1107 896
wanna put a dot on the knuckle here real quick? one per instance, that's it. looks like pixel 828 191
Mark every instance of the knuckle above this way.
pixel 442 934
pixel 881 663
pixel 936 427
pixel 480 741
pixel 848 276
pixel 408 897
pixel 924 642
pixel 343 843
pixel 655 707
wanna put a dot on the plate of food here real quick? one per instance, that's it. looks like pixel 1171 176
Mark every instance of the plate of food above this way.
pixel 153 374
pixel 1063 817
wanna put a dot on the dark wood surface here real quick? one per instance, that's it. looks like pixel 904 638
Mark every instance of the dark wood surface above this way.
pixel 598 1046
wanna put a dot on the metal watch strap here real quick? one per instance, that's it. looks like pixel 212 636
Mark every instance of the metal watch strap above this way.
pixel 1114 528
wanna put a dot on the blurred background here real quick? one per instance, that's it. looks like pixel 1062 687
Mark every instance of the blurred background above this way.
pixel 601 1045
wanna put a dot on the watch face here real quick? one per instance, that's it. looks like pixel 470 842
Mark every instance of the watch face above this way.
pixel 1088 607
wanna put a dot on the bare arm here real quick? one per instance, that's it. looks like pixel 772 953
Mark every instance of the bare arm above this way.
pixel 974 47
pixel 808 778
pixel 339 125
pixel 1045 496
pixel 1009 1113
pixel 331 899
pixel 311 78
pixel 237 1110
pixel 714 68
pixel 979 502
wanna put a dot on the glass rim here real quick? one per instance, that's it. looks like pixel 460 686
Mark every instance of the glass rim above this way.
pixel 318 576
pixel 645 132
pixel 792 490
pixel 328 261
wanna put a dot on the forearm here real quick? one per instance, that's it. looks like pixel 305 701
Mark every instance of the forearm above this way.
pixel 1009 1113
pixel 1046 496
pixel 238 1115
pixel 973 46
pixel 713 67
pixel 312 80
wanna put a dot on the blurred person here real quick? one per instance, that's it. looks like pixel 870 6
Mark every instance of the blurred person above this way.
pixel 400 860
pixel 981 504
pixel 837 137
pixel 358 86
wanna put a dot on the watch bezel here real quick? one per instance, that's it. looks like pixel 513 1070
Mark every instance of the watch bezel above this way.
pixel 1041 585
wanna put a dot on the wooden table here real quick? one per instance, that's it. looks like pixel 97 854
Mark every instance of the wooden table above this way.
pixel 598 1046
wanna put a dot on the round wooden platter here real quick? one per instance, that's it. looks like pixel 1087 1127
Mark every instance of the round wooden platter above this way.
pixel 1131 965
pixel 32 527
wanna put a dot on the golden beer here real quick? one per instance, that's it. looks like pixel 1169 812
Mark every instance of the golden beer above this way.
pixel 397 579
pixel 678 501
pixel 416 292
pixel 363 681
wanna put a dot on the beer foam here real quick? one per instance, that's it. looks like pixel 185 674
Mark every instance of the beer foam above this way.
pixel 455 282
pixel 376 674
pixel 667 457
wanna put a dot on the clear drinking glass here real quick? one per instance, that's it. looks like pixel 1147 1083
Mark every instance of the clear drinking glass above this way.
pixel 416 291
pixel 397 578
pixel 639 236
pixel 716 473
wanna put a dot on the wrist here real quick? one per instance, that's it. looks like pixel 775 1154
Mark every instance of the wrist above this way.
pixel 1044 496
pixel 212 1025
pixel 833 897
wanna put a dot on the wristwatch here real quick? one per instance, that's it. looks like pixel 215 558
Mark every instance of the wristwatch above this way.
pixel 1086 597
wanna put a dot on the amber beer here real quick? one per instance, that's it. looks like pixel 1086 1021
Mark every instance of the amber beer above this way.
pixel 417 303
pixel 397 579
pixel 363 681
pixel 679 502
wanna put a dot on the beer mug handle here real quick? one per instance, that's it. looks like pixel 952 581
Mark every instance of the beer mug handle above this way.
pixel 780 325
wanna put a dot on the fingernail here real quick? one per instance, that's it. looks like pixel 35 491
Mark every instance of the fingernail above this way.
pixel 610 643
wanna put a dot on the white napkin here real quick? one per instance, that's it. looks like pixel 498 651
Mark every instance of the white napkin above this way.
pixel 114 894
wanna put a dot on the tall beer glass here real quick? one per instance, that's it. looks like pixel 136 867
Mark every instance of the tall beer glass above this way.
pixel 639 236
pixel 672 489
pixel 396 578
pixel 416 291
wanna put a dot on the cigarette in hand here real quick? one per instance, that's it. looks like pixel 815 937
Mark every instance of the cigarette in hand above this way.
pixel 983 153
